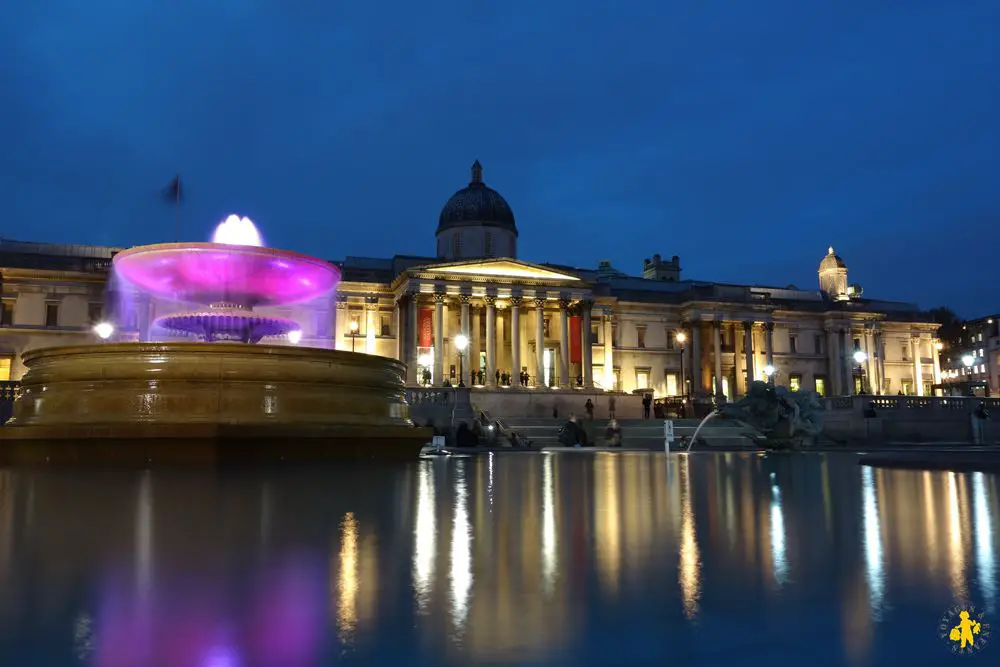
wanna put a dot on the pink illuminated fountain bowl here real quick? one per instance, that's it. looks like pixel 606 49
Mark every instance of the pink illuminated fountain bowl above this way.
pixel 217 399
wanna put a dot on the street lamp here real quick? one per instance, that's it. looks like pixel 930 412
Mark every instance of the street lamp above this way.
pixel 968 360
pixel 461 342
pixel 354 333
pixel 938 345
pixel 769 373
pixel 860 358
pixel 104 330
pixel 681 338
pixel 295 336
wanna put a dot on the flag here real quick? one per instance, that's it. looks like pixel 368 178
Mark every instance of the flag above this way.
pixel 172 193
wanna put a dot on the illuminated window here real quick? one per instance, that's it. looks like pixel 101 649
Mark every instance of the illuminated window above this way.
pixel 6 313
pixel 672 384
pixel 595 334
pixel 907 387
pixel 385 328
pixel 642 379
pixel 820 385
pixel 5 363
pixel 795 382
pixel 52 314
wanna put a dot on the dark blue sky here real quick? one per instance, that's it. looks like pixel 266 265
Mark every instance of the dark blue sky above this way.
pixel 743 136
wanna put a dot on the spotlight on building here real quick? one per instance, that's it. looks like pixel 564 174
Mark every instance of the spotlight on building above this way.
pixel 294 337
pixel 104 330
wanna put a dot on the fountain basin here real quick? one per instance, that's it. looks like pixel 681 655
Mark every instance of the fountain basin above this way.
pixel 208 403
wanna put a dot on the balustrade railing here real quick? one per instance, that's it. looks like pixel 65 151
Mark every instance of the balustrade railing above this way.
pixel 912 404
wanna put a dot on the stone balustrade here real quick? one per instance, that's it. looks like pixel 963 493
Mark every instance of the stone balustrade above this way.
pixel 912 418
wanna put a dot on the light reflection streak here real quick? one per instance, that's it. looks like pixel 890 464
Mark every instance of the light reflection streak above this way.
pixel 489 483
pixel 144 537
pixel 425 538
pixel 983 528
pixel 689 570
pixel 874 574
pixel 930 522
pixel 778 559
pixel 461 552
pixel 549 536
pixel 956 555
pixel 347 598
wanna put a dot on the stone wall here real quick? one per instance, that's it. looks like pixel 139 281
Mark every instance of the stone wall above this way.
pixel 911 419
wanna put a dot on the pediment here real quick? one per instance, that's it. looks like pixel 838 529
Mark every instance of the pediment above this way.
pixel 500 268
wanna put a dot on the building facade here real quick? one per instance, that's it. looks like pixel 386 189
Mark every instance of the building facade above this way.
pixel 535 326
pixel 979 344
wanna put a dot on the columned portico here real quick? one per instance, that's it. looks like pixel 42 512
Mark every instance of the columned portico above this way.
pixel 609 357
pixel 439 339
pixel 748 351
pixel 464 327
pixel 564 381
pixel 515 340
pixel 586 307
pixel 491 339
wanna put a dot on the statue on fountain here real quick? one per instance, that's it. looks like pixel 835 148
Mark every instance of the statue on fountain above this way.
pixel 785 419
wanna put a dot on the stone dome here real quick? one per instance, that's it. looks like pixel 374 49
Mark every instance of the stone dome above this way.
pixel 831 261
pixel 477 205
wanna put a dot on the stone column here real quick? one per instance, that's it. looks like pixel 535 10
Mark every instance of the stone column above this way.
pixel 540 342
pixel 371 323
pixel 491 339
pixel 412 338
pixel 871 363
pixel 609 346
pixel 438 339
pixel 748 350
pixel 475 342
pixel 340 323
pixel 515 341
pixel 918 376
pixel 399 326
pixel 880 342
pixel 464 327
pixel 717 349
pixel 696 386
pixel 588 349
pixel 833 361
pixel 564 381
pixel 848 361
pixel 769 343
pixel 936 358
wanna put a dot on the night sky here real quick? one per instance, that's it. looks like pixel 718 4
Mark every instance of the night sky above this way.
pixel 744 136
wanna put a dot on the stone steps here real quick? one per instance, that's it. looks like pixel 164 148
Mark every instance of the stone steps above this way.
pixel 644 434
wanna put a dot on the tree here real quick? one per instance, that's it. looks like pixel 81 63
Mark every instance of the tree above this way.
pixel 951 325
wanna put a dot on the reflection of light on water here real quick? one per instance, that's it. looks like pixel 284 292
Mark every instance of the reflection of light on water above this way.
pixel 222 656
pixel 873 543
pixel 778 560
pixel 956 554
pixel 425 537
pixel 549 538
pixel 931 524
pixel 489 483
pixel 689 571
pixel 461 552
pixel 83 636
pixel 347 599
pixel 608 543
pixel 983 528
pixel 144 537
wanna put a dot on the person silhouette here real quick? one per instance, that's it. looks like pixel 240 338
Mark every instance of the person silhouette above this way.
pixel 965 630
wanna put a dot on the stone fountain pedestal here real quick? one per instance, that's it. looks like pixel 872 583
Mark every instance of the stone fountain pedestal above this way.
pixel 208 403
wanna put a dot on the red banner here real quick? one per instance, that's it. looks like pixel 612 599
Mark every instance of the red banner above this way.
pixel 575 348
pixel 425 326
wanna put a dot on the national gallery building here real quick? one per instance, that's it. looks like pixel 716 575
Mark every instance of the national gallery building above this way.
pixel 533 326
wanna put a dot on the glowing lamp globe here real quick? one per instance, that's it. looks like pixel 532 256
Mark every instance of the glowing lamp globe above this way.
pixel 295 336
pixel 104 330
pixel 237 231
pixel 860 357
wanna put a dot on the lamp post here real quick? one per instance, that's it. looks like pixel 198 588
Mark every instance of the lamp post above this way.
pixel 860 358
pixel 681 338
pixel 769 373
pixel 968 360
pixel 354 333
pixel 461 342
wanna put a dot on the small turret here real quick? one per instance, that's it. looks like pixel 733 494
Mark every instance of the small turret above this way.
pixel 657 269
pixel 833 277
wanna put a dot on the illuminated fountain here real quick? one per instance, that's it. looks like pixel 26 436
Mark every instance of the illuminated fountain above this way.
pixel 232 390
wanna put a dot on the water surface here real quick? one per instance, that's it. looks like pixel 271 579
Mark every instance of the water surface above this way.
pixel 569 559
